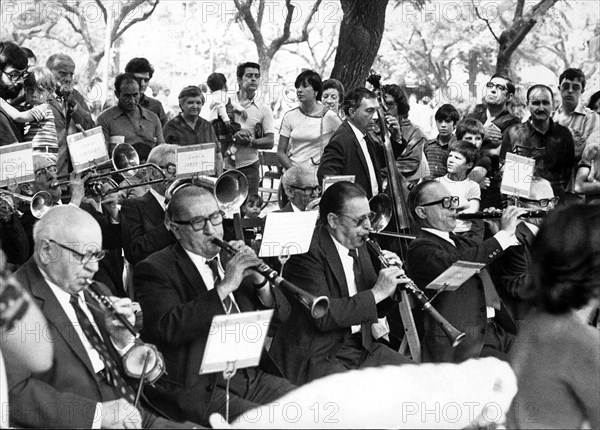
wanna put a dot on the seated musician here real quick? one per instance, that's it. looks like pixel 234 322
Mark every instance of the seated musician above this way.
pixel 338 266
pixel 475 307
pixel 17 232
pixel 301 188
pixel 180 289
pixel 86 386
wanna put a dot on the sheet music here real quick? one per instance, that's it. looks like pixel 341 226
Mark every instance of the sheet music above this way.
pixel 517 176
pixel 288 231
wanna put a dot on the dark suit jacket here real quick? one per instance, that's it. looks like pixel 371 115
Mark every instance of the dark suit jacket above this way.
pixel 66 395
pixel 303 346
pixel 65 126
pixel 343 156
pixel 430 255
pixel 178 312
pixel 511 272
pixel 10 131
pixel 143 228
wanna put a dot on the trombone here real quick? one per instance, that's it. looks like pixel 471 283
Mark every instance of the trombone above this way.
pixel 39 203
pixel 230 188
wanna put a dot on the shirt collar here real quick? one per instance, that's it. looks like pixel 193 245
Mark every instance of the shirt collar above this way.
pixel 341 249
pixel 579 109
pixel 159 198
pixel 359 134
pixel 119 112
pixel 61 295
pixel 443 234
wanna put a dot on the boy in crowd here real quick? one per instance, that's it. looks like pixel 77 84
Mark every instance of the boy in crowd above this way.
pixel 471 130
pixel 461 159
pixel 39 84
pixel 436 150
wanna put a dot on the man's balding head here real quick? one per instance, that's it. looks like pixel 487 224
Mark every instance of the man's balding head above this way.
pixel 63 237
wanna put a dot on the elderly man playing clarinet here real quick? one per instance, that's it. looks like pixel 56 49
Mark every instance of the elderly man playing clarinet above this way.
pixel 86 386
pixel 338 266
pixel 180 289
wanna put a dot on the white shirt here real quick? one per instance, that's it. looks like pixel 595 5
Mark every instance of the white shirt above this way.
pixel 363 146
pixel 207 274
pixel 160 199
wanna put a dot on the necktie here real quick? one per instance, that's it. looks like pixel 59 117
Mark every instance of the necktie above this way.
pixel 365 328
pixel 113 375
pixel 227 302
pixel 492 298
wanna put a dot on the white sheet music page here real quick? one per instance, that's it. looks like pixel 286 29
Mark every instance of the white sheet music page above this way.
pixel 287 232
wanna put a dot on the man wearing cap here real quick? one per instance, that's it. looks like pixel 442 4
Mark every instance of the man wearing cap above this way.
pixel 17 232
pixel 140 127
pixel 71 112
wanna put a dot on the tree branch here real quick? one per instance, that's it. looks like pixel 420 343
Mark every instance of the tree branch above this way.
pixel 304 33
pixel 246 15
pixel 103 9
pixel 486 21
pixel 144 17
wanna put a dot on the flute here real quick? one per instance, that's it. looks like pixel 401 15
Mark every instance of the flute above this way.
pixel 498 214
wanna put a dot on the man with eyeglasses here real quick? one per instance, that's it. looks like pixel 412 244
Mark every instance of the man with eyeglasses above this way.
pixel 549 143
pixel 496 120
pixel 475 307
pixel 338 266
pixel 143 230
pixel 511 273
pixel 302 189
pixel 583 123
pixel 181 288
pixel 86 386
pixel 71 112
pixel 13 68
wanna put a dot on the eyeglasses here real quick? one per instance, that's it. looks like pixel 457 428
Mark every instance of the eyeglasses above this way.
pixel 447 202
pixel 199 223
pixel 171 168
pixel 308 191
pixel 499 87
pixel 543 203
pixel 83 258
pixel 15 75
pixel 360 222
pixel 566 86
pixel 46 170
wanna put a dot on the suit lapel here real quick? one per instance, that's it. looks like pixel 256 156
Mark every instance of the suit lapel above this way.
pixel 55 314
pixel 153 209
pixel 333 260
pixel 57 105
pixel 188 269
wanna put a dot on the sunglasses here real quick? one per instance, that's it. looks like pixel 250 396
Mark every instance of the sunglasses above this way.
pixel 361 222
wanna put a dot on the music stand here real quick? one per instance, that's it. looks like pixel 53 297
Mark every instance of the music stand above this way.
pixel 235 341
pixel 454 276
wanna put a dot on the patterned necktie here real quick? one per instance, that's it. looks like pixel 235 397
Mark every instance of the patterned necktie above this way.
pixel 227 302
pixel 113 375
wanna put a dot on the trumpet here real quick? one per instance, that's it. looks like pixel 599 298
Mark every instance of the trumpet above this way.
pixel 39 203
pixel 454 335
pixel 498 214
pixel 230 189
pixel 318 306
pixel 143 360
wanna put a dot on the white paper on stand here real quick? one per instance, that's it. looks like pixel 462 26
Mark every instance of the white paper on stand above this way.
pixel 288 232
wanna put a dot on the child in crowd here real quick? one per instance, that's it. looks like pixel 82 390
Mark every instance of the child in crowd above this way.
pixel 219 112
pixel 436 150
pixel 471 130
pixel 41 131
pixel 251 210
pixel 461 159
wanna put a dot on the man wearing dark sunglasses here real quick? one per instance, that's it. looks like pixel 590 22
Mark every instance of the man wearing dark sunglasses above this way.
pixel 13 66
pixel 475 307
pixel 338 265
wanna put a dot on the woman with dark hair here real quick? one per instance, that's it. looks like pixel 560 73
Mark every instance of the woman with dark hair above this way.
pixel 333 96
pixel 306 130
pixel 556 356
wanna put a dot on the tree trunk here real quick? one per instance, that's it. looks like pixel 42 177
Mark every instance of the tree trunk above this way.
pixel 472 70
pixel 361 31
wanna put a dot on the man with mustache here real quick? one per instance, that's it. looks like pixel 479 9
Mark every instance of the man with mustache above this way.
pixel 13 69
pixel 549 143
pixel 339 267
